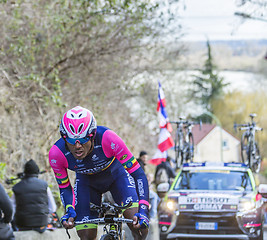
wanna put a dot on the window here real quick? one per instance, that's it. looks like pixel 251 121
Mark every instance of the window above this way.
pixel 214 180
pixel 225 144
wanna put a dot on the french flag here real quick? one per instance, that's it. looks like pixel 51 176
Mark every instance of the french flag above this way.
pixel 165 140
pixel 162 114
pixel 158 157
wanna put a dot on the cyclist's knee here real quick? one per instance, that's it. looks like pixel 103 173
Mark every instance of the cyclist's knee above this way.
pixel 87 234
pixel 129 213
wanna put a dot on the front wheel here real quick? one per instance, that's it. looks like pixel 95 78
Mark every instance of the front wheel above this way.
pixel 245 149
pixel 190 150
pixel 179 159
pixel 178 152
pixel 256 159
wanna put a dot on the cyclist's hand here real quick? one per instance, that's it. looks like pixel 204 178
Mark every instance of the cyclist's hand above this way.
pixel 68 219
pixel 141 221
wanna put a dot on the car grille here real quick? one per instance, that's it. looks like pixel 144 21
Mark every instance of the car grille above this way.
pixel 227 223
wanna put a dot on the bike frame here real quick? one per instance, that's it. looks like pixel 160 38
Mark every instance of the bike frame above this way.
pixel 250 133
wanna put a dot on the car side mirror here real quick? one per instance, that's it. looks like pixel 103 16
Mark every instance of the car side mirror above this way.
pixel 162 189
pixel 263 190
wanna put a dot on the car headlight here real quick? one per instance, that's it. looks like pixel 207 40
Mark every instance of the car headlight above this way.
pixel 246 205
pixel 171 205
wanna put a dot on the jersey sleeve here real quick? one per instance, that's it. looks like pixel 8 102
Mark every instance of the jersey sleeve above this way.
pixel 59 164
pixel 113 145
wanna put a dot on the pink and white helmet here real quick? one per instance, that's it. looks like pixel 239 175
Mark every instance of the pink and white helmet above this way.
pixel 78 123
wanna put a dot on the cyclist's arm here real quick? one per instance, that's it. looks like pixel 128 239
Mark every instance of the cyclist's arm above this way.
pixel 113 145
pixel 59 164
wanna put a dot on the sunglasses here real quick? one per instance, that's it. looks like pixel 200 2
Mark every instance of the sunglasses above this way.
pixel 80 140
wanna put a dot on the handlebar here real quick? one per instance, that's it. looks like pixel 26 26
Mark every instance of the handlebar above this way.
pixel 106 219
pixel 187 123
pixel 112 217
pixel 179 122
pixel 250 127
pixel 247 126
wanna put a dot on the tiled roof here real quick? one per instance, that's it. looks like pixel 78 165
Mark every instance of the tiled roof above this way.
pixel 199 134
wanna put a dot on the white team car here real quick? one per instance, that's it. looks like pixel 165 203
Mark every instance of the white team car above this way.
pixel 209 200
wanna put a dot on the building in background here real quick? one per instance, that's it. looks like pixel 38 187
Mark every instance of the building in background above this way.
pixel 208 145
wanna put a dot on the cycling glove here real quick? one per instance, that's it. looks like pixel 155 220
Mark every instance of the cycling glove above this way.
pixel 69 213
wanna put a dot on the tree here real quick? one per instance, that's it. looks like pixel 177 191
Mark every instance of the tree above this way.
pixel 56 54
pixel 207 86
pixel 255 9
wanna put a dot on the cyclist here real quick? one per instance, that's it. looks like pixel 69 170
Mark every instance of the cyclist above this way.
pixel 102 162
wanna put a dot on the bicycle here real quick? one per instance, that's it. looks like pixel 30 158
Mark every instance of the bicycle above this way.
pixel 184 141
pixel 111 216
pixel 250 153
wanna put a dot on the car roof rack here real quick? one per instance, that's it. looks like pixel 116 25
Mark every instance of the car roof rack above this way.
pixel 219 164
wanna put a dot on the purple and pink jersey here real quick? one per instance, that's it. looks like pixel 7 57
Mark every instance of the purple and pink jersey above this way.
pixel 109 160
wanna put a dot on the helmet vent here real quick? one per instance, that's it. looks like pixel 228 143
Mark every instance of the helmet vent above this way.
pixel 80 128
pixel 72 115
pixel 80 115
pixel 72 129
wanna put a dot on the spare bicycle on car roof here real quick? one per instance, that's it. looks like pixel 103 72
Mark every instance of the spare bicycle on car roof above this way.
pixel 184 141
pixel 250 153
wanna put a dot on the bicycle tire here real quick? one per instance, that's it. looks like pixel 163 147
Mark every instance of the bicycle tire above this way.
pixel 179 161
pixel 179 154
pixel 245 149
pixel 176 150
pixel 250 157
pixel 256 159
pixel 190 155
pixel 106 237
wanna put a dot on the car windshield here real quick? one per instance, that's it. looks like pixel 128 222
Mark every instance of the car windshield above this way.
pixel 213 180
